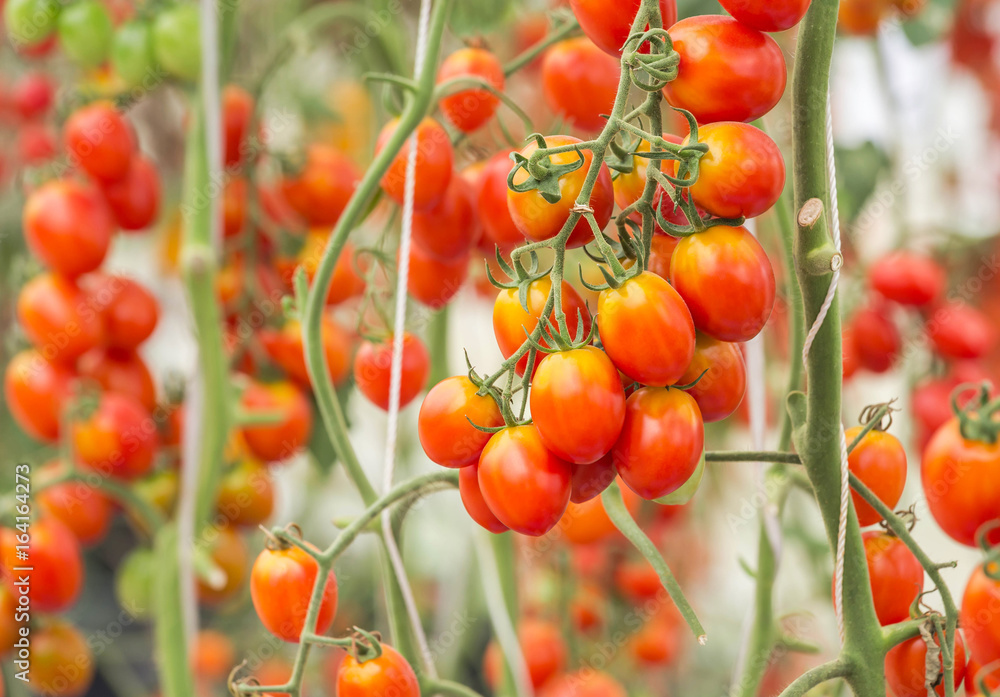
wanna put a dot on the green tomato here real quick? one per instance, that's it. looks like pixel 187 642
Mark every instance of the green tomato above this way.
pixel 177 41
pixel 132 53
pixel 85 31
pixel 134 582
pixel 480 17
pixel 30 21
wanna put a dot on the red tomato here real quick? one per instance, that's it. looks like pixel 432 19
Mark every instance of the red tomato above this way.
pixel 960 331
pixel 134 199
pixel 512 325
pixel 591 480
pixel 543 648
pixel 234 207
pixel 728 71
pixel 450 229
pixel 373 369
pixel 116 370
pixel 580 82
pixel 279 441
pixel 646 306
pixel 475 504
pixel 237 115
pixel 130 311
pixel 585 683
pixel 907 278
pixel 213 655
pixel 897 578
pixel 55 576
pixel 526 486
pixel 931 400
pixel 876 339
pixel 661 442
pixel 491 202
pixel 68 226
pixel 444 427
pixel 229 552
pixel 281 584
pixel 980 606
pixel 469 109
pixel 36 390
pixel 637 580
pixel 961 480
pixel 275 671
pixel 767 15
pixel 609 24
pixel 537 219
pixel 85 510
pixel 586 523
pixel 435 160
pixel 862 17
pixel 434 283
pixel 54 314
pixel 345 282
pixel 284 347
pixel 657 643
pixel 119 438
pixel 35 144
pixel 246 493
pixel 661 253
pixel 905 667
pixel 321 190
pixel 879 461
pixel 723 378
pixel 389 675
pixel 100 140
pixel 578 404
pixel 743 173
pixel 32 95
pixel 976 677
pixel 61 659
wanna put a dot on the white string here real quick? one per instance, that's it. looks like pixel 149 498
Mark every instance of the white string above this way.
pixel 395 380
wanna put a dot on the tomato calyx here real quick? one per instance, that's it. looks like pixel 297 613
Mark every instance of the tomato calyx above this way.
pixel 660 64
pixel 543 174
pixel 976 418
pixel 522 277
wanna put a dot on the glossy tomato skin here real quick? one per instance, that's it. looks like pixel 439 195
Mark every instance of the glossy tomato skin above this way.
pixel 323 187
pixel 449 230
pixel 961 479
pixel 897 578
pixel 284 346
pixel 279 441
pixel 61 659
pixel 905 667
pixel 100 140
pixel 281 584
pixel 609 24
pixel 661 442
pixel 435 161
pixel 475 504
pixel 907 278
pixel 68 226
pixel 469 109
pixel 544 651
pixel 85 510
pixel 432 282
pixel 491 202
pixel 978 619
pixel 767 15
pixel 580 82
pixel 723 378
pixel 36 391
pixel 118 439
pixel 134 199
pixel 525 485
pixel 879 461
pixel 727 72
pixel 537 219
pixel 578 404
pixel 246 493
pixel 443 425
pixel 54 314
pixel 56 574
pixel 590 481
pixel 960 331
pixel 743 173
pixel 130 311
pixel 876 340
pixel 389 675
pixel 116 370
pixel 373 368
pixel 646 306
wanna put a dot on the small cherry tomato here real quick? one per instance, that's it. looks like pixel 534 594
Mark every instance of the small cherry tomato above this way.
pixel 499 227
pixel 580 82
pixel 544 651
pixel 862 17
pixel 389 675
pixel 284 346
pixel 767 15
pixel 585 683
pixel 36 391
pixel 237 116
pixel 321 190
pixel 212 656
pixel 54 314
pixel 246 493
pixel 35 144
pixel 61 660
pixel 100 139
pixel 588 522
pixel 373 370
pixel 176 40
pixel 906 667
pixel 56 573
pixel 134 200
pixel 897 578
pixel 630 186
pixel 475 504
pixel 469 109
pixel 435 160
pixel 229 552
pixel 657 642
pixel 345 282
pixel 960 331
pixel 445 424
pixel 875 339
pixel 277 441
pixel 234 206
pixel 661 253
pixel 32 95
pixel 118 439
pixel 979 616
pixel 432 282
pixel 281 584
pixel 907 278
pixel 130 311
pixel 85 510
pixel 879 461
pixel 68 226
pixel 85 32
pixel 608 24
pixel 590 481
pixel 450 229
pixel 132 53
pixel 117 370
pixel 976 678
pixel 721 373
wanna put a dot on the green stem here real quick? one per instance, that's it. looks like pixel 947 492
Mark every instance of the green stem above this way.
pixel 446 687
pixel 437 341
pixel 817 676
pixel 564 32
pixel 751 456
pixel 171 643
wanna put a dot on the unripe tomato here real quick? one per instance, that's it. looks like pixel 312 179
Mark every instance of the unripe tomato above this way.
pixel 897 578
pixel 723 378
pixel 373 370
pixel 53 313
pixel 537 219
pixel 100 139
pixel 862 17
pixel 237 116
pixel 85 510
pixel 512 325
pixel 32 95
pixel 580 82
pixel 246 493
pixel 444 427
pixel 61 660
pixel 134 580
pixel 475 504
pixel 608 24
pixel 55 576
pixel 646 305
pixel 468 109
pixel 543 648
pixel 906 667
pixel 36 391
pixel 132 53
pixel 491 202
pixel 284 346
pixel 578 404
pixel 281 584
pixel 68 226
pixel 85 32
pixel 960 331
pixel 134 200
pixel 389 675
pixel 320 192
pixel 907 278
pixel 432 282
pixel 525 485
pixel 879 461
pixel 767 15
pixel 229 552
pixel 591 480
pixel 876 339
pixel 661 442
pixel 450 229
pixel 212 656
pixel 961 480
pixel 978 619
pixel 118 439
pixel 278 441
pixel 743 173
pixel 130 311
pixel 727 72
pixel 435 161
pixel 176 40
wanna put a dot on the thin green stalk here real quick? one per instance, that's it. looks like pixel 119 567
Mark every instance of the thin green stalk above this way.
pixel 817 676
pixel 751 456
pixel 437 341
pixel 563 32
pixel 447 688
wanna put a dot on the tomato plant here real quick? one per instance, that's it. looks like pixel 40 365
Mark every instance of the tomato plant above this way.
pixel 905 668
pixel 609 25
pixel 281 583
pixel 470 109
pixel 389 674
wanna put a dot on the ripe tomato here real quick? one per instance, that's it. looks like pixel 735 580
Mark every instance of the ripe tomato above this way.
pixel 281 583
pixel 578 404
pixel 897 578
pixel 512 325
pixel 85 510
pixel 526 486
pixel 345 282
pixel 491 202
pixel 862 17
pixel 68 226
pixel 237 116
pixel 32 95
pixel 637 581
pixel 212 656
pixel 229 552
pixel 321 190
pixel 61 660
pixel 743 173
pixel 450 229
pixel 119 438
pixel 879 461
pixel 661 442
pixel 36 390
pixel 35 144
pixel 234 206
pixel 657 643
pixel 661 253
pixel 580 82
pixel 767 15
pixel 629 187
pixel 961 480
pixel 444 427
pixel 284 347
pixel 723 378
pixel 588 522
pixel 931 399
pixel 56 573
pixel 585 683
pixel 100 139
pixel 960 331
pixel 647 306
pixel 468 109
pixel 246 493
pixel 978 619
pixel 591 480
pixel 389 675
pixel 130 311
pixel 907 278
pixel 132 53
pixel 728 71
pixel 876 340
pixel 537 219
pixel 975 676
pixel 905 667
pixel 432 282
pixel 134 200
pixel 435 160
pixel 54 314
pixel 609 24
pixel 475 504
pixel 278 441
pixel 176 43
pixel 117 370
pixel 373 370
pixel 544 651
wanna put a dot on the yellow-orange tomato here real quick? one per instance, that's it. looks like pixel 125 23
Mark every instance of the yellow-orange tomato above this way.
pixel 580 82
pixel 284 347
pixel 61 661
pixel 281 440
pixel 246 493
pixel 320 192
pixel 721 376
pixel 345 282
pixel 212 655
pixel 862 17
pixel 879 461
pixel 588 522
pixel 445 424
pixel 281 585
